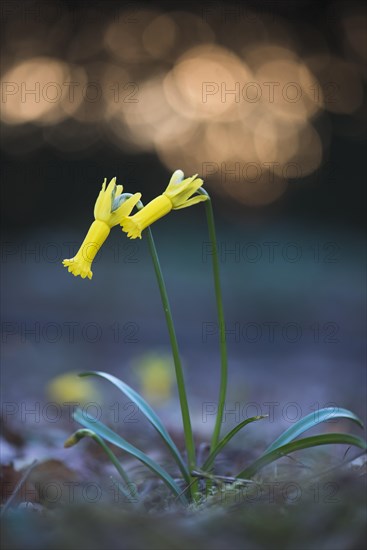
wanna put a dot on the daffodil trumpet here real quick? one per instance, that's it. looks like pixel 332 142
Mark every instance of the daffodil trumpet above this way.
pixel 110 209
pixel 82 261
pixel 177 195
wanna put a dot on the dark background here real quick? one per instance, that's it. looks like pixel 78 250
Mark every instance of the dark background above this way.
pixel 32 170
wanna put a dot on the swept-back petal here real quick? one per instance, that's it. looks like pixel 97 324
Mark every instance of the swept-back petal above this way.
pixel 191 202
pixel 124 209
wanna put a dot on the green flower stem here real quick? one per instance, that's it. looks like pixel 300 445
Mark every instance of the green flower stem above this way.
pixel 220 313
pixel 115 462
pixel 189 439
pixel 80 434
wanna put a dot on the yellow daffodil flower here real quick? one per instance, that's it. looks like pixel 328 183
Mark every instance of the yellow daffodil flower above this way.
pixel 176 196
pixel 109 211
pixel 69 387
pixel 156 373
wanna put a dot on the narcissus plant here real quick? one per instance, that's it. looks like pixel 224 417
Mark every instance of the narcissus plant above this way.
pixel 113 208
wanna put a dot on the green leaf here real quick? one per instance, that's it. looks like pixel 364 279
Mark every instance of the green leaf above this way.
pixel 223 442
pixel 149 413
pixel 305 443
pixel 109 435
pixel 310 421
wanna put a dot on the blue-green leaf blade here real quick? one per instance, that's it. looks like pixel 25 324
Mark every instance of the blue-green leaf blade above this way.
pixel 305 443
pixel 148 412
pixel 223 442
pixel 310 421
pixel 109 435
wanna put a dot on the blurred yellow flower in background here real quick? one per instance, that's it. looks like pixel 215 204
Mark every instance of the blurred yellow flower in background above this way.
pixel 156 375
pixel 69 387
pixel 176 196
pixel 109 211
